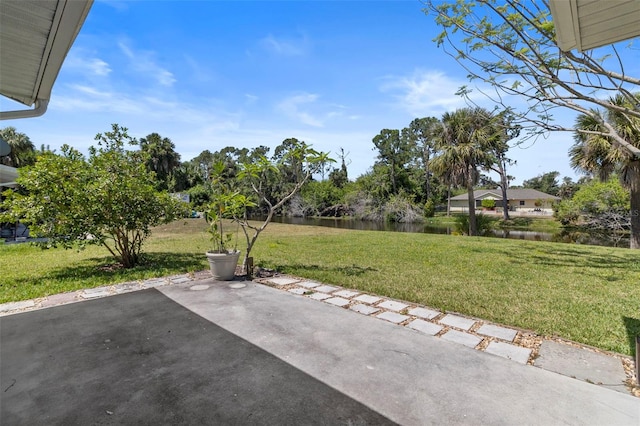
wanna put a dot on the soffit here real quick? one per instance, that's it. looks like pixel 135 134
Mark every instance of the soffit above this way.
pixel 35 37
pixel 588 24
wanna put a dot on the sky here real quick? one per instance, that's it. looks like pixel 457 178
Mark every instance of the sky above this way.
pixel 211 74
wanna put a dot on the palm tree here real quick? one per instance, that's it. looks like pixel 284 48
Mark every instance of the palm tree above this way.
pixel 22 149
pixel 161 157
pixel 597 154
pixel 463 147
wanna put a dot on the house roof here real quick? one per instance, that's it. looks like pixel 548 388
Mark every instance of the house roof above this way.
pixel 587 24
pixel 35 36
pixel 512 194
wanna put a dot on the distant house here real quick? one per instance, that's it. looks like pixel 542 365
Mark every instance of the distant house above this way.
pixel 518 200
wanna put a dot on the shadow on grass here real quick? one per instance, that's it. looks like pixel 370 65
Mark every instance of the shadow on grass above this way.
pixel 633 329
pixel 569 257
pixel 351 271
pixel 103 270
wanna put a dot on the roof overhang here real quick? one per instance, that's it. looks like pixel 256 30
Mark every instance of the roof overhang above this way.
pixel 35 37
pixel 8 176
pixel 587 24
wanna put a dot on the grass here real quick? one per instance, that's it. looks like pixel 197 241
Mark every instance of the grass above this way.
pixel 583 293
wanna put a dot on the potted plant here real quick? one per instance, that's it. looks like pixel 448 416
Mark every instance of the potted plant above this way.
pixel 223 257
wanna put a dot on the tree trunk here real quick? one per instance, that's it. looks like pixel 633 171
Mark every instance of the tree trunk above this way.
pixel 393 178
pixel 473 226
pixel 504 183
pixel 634 192
pixel 425 162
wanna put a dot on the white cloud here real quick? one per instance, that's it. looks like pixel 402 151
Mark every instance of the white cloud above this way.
pixel 88 65
pixel 142 108
pixel 144 63
pixel 284 47
pixel 291 106
pixel 99 67
pixel 88 99
pixel 424 92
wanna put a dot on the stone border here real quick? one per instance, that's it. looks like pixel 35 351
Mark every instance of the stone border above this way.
pixel 518 345
pixel 96 292
pixel 470 332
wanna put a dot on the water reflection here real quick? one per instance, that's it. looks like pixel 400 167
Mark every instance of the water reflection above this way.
pixel 570 236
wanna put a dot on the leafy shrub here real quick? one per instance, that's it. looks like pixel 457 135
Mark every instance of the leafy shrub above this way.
pixel 592 200
pixel 107 199
pixel 199 197
pixel 488 203
pixel 484 224
pixel 429 208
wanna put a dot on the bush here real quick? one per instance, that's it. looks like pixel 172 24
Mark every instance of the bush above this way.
pixel 592 200
pixel 199 197
pixel 363 206
pixel 109 199
pixel 400 209
pixel 484 224
pixel 489 204
pixel 316 196
pixel 429 208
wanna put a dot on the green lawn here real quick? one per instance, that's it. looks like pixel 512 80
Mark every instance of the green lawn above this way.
pixel 583 293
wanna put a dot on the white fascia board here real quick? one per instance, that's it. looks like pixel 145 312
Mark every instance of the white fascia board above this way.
pixel 566 22
pixel 68 20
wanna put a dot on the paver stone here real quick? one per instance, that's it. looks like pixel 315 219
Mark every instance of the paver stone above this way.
pixel 338 301
pixel 392 305
pixel 425 327
pixel 498 332
pixel 326 288
pixel 280 281
pixel 509 351
pixel 392 317
pixel 424 313
pixel 462 338
pixel 456 321
pixel 348 294
pixel 366 298
pixel 364 309
pixel 308 284
pixel 319 296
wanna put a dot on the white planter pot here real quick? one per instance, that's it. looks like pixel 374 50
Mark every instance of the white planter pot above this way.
pixel 223 265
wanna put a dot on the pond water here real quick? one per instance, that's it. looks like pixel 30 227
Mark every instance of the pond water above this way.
pixel 572 236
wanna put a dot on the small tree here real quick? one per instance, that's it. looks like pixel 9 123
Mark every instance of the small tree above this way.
pixel 429 208
pixel 261 171
pixel 108 199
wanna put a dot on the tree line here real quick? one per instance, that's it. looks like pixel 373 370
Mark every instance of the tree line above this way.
pixel 508 45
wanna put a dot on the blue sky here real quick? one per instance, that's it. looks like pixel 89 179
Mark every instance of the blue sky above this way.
pixel 210 74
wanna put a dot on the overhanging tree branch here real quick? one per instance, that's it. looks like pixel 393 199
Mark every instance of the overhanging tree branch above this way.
pixel 510 45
